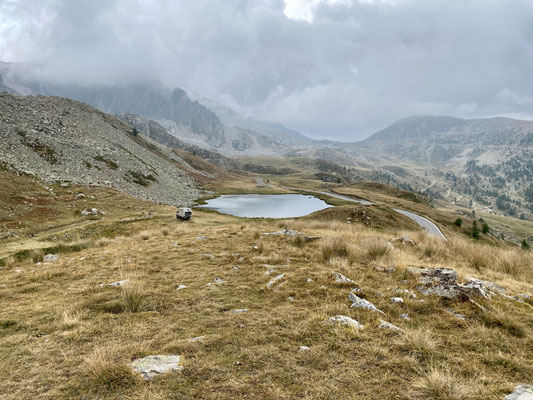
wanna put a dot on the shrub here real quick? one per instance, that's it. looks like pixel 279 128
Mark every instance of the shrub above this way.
pixel 525 244
pixel 110 163
pixel 458 222
pixel 475 230
pixel 485 228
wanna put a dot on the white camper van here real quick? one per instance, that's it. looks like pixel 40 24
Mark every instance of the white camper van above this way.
pixel 184 213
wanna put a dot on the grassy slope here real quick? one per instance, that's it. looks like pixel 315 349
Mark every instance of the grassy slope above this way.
pixel 62 336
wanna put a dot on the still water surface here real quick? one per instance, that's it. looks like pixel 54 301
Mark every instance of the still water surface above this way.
pixel 266 206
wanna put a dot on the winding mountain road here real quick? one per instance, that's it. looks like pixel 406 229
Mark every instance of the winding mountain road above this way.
pixel 430 227
pixel 425 223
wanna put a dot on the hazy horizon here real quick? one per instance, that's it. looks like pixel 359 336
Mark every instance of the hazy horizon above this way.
pixel 330 69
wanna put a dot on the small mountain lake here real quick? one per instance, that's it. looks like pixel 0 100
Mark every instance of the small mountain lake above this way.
pixel 266 206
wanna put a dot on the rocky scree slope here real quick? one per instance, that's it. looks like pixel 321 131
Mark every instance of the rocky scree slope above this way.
pixel 153 130
pixel 186 117
pixel 57 139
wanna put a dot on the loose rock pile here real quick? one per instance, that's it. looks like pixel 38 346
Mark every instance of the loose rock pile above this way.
pixel 57 139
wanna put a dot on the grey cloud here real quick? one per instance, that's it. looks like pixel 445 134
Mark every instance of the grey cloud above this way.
pixel 356 67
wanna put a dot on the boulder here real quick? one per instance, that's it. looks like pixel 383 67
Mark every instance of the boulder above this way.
pixel 431 276
pixel 443 282
pixel 405 240
pixel 152 366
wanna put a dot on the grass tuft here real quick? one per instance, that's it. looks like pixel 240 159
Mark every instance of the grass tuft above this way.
pixel 106 372
pixel 133 298
pixel 439 384
pixel 334 247
pixel 37 255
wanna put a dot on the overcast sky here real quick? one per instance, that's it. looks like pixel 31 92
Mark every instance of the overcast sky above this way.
pixel 338 69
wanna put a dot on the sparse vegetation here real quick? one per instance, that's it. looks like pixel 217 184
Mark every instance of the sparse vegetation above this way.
pixel 141 179
pixel 334 247
pixel 110 163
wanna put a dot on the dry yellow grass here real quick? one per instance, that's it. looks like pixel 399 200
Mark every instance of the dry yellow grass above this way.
pixel 440 384
pixel 62 336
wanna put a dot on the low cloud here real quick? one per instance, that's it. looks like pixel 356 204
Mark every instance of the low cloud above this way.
pixel 335 69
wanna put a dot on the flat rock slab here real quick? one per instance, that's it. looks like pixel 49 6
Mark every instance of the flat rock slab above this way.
pixel 521 392
pixel 152 366
pixel 347 321
pixel 286 232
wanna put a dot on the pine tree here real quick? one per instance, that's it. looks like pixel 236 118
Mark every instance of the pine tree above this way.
pixel 475 230
pixel 485 228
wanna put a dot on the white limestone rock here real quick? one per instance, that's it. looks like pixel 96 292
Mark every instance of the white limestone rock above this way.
pixel 114 284
pixel 339 278
pixel 50 258
pixel 396 300
pixel 389 326
pixel 347 321
pixel 358 302
pixel 521 392
pixel 152 366
pixel 275 279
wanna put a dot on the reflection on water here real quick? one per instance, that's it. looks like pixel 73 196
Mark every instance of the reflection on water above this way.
pixel 266 206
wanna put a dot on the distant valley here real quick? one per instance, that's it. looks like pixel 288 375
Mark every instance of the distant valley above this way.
pixel 482 164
